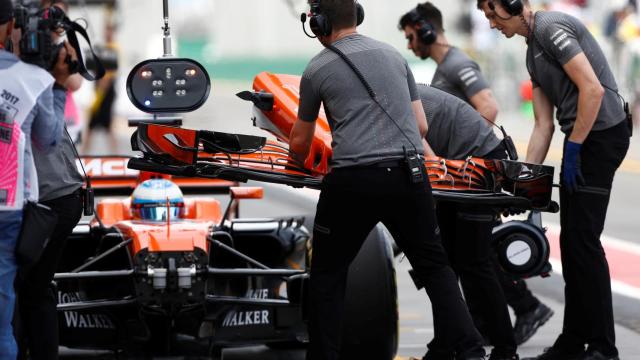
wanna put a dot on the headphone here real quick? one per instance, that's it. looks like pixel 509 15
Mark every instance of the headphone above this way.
pixel 513 7
pixel 426 32
pixel 320 23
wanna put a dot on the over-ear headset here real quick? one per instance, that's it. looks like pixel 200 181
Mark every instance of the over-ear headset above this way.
pixel 320 23
pixel 512 7
pixel 426 32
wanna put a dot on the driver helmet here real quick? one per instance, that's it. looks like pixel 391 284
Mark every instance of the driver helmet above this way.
pixel 157 199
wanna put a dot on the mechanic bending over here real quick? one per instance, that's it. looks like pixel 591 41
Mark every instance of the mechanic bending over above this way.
pixel 457 131
pixel 569 72
pixel 369 167
pixel 458 75
pixel 60 187
pixel 31 111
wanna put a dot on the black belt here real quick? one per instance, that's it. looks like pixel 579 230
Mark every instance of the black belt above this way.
pixel 388 164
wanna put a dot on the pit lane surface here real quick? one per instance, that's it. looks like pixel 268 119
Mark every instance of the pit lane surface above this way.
pixel 224 112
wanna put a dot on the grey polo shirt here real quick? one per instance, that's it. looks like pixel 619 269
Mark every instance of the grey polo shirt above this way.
pixel 558 38
pixel 456 130
pixel 459 75
pixel 362 133
pixel 57 171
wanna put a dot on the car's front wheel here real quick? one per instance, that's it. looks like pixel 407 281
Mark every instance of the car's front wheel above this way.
pixel 370 328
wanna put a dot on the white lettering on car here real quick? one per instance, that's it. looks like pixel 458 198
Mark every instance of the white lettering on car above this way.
pixel 246 318
pixel 257 294
pixel 75 320
pixel 106 167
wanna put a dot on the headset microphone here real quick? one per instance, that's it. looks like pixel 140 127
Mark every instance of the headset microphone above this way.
pixel 303 19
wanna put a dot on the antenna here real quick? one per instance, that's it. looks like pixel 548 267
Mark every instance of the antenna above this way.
pixel 166 37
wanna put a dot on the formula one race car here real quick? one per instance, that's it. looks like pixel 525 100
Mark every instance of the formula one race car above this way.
pixel 166 270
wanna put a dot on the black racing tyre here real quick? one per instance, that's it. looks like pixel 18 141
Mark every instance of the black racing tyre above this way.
pixel 370 328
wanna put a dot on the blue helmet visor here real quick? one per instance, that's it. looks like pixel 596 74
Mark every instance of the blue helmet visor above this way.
pixel 159 213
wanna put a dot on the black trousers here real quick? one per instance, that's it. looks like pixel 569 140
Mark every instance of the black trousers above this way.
pixel 466 235
pixel 38 318
pixel 588 314
pixel 516 292
pixel 352 202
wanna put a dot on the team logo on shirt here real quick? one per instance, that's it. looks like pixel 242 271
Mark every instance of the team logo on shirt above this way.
pixel 468 76
pixel 559 38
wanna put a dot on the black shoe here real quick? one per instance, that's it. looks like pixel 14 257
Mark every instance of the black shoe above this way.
pixel 528 323
pixel 597 355
pixel 552 353
pixel 496 355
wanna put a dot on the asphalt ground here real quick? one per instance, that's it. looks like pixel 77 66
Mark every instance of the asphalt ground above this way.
pixel 224 112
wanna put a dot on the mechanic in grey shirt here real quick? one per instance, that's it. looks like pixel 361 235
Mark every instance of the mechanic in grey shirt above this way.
pixel 370 181
pixel 460 76
pixel 456 73
pixel 362 134
pixel 456 130
pixel 569 72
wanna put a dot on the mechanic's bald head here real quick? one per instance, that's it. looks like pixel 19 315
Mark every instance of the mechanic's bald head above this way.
pixel 6 20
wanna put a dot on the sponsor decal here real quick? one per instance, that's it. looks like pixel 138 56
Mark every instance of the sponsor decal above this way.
pixel 106 167
pixel 466 73
pixel 556 34
pixel 257 294
pixel 560 38
pixel 471 81
pixel 246 318
pixel 75 320
pixel 563 46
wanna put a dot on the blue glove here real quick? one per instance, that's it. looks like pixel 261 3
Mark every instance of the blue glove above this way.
pixel 571 174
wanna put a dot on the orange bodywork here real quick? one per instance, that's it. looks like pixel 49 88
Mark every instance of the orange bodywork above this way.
pixel 181 235
pixel 286 94
pixel 253 192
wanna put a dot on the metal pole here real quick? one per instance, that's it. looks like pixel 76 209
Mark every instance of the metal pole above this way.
pixel 167 31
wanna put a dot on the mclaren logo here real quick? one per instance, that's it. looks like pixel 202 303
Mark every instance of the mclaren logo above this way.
pixel 246 318
pixel 106 167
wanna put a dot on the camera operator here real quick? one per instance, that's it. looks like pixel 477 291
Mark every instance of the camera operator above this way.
pixel 59 188
pixel 30 109
pixel 372 163
pixel 459 75
pixel 570 72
